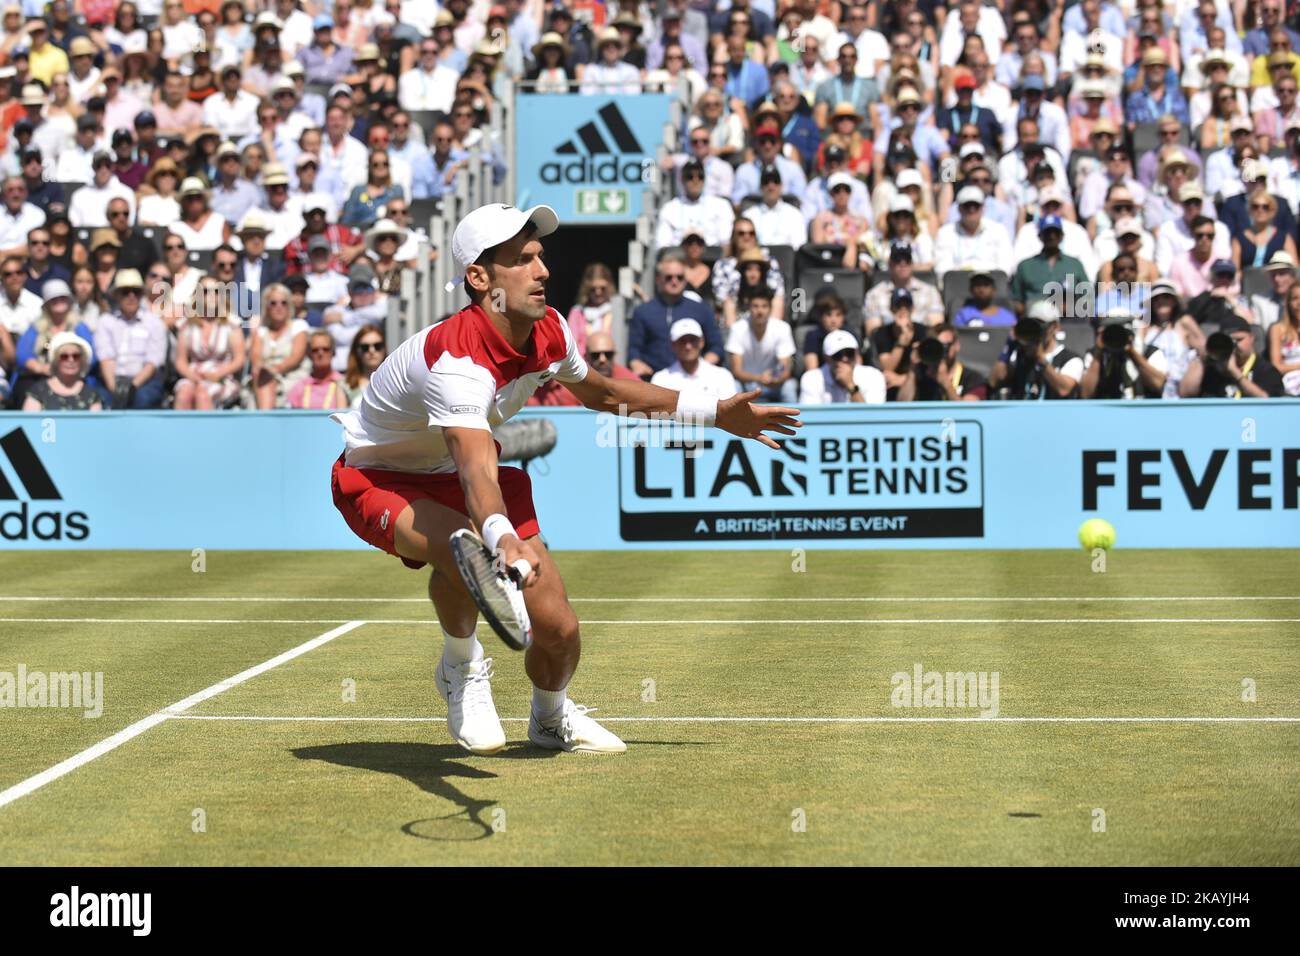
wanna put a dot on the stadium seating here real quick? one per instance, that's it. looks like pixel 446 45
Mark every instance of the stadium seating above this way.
pixel 980 347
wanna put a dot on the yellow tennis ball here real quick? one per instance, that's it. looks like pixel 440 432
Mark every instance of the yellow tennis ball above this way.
pixel 1097 533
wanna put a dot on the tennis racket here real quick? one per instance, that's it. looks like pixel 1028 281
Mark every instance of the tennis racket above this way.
pixel 495 588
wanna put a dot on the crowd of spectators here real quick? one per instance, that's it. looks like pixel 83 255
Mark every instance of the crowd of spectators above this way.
pixel 965 161
pixel 206 195
pixel 1027 164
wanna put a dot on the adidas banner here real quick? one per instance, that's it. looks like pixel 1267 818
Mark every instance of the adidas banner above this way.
pixel 588 157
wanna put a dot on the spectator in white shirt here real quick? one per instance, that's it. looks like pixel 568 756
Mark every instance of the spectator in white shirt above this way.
pixel 74 164
pixel 972 18
pixel 842 377
pixel 690 371
pixel 17 218
pixel 777 222
pixel 972 242
pixel 232 110
pixel 761 350
pixel 693 211
pixel 19 306
pixel 89 204
pixel 429 85
pixel 608 73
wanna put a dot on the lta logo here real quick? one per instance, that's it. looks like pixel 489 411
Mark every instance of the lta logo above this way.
pixel 24 523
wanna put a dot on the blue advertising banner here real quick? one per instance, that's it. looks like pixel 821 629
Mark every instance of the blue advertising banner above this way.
pixel 588 157
pixel 972 475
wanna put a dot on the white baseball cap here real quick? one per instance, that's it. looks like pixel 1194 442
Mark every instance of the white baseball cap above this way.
pixel 838 179
pixel 909 177
pixel 838 341
pixel 685 327
pixel 970 194
pixel 493 224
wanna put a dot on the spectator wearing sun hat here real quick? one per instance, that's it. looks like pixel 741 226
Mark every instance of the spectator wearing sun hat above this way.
pixel 65 388
pixel 256 269
pixel 232 195
pixel 1269 307
pixel 55 319
pixel 608 73
pixel 1155 98
pixel 384 241
pixel 132 347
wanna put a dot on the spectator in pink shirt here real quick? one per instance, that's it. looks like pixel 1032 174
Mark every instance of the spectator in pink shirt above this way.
pixel 1190 270
pixel 323 387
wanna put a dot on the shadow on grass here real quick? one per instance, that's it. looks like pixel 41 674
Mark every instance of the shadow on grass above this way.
pixel 430 767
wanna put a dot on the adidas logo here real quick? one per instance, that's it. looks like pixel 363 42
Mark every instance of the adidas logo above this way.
pixel 22 524
pixel 598 162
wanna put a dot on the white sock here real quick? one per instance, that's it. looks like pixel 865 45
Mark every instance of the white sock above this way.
pixel 548 704
pixel 460 650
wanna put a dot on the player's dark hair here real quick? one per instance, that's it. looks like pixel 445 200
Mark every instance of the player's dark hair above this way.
pixel 487 259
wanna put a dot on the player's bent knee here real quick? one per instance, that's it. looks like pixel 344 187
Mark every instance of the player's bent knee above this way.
pixel 559 630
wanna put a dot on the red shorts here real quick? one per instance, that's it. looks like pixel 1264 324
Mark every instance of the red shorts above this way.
pixel 370 500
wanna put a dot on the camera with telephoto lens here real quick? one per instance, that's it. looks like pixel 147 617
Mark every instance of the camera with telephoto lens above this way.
pixel 1116 338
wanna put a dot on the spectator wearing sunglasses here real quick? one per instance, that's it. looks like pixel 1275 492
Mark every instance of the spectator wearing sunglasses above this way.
pixel 719 176
pixel 132 347
pixel 367 353
pixel 649 347
pixel 694 211
pixel 65 388
pixel 322 387
pixel 361 211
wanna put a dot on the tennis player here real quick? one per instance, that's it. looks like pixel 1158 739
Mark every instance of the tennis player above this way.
pixel 420 463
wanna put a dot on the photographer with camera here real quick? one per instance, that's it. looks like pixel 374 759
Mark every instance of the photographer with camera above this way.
pixel 1222 299
pixel 1117 367
pixel 937 373
pixel 1034 365
pixel 1228 367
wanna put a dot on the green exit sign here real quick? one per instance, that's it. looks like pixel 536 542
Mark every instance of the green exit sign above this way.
pixel 603 202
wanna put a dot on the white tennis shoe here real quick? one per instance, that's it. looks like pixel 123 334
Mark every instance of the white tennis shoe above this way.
pixel 572 731
pixel 471 714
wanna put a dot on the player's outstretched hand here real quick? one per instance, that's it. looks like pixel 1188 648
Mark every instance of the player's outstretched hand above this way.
pixel 740 416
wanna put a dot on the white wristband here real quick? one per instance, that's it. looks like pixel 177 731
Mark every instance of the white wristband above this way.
pixel 696 408
pixel 495 528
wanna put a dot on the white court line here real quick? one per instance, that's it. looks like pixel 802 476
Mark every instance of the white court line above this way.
pixel 692 621
pixel 783 720
pixel 134 730
pixel 767 599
